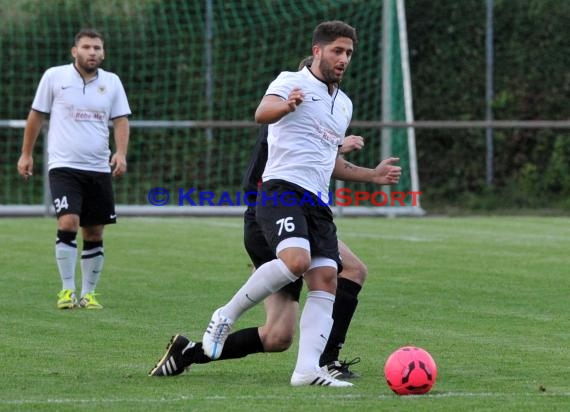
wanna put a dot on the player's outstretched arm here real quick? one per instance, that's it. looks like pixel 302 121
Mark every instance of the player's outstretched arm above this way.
pixel 386 173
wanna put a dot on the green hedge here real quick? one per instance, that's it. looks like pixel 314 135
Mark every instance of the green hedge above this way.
pixel 157 48
pixel 531 82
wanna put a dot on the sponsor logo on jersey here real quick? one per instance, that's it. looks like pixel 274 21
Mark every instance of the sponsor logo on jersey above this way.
pixel 86 115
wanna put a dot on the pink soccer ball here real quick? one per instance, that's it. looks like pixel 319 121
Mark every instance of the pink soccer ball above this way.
pixel 410 371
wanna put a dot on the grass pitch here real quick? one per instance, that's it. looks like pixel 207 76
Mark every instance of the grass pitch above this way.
pixel 488 297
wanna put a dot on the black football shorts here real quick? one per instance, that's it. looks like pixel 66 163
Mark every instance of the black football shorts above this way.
pixel 84 193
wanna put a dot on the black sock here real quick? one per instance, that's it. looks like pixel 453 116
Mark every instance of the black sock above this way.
pixel 88 245
pixel 344 307
pixel 238 345
pixel 67 237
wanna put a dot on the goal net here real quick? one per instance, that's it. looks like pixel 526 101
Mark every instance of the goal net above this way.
pixel 194 73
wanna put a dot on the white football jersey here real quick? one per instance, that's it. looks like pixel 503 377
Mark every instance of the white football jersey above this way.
pixel 303 144
pixel 79 115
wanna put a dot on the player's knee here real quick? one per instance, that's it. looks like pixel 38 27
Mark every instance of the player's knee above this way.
pixel 321 278
pixel 68 223
pixel 357 272
pixel 298 263
pixel 361 272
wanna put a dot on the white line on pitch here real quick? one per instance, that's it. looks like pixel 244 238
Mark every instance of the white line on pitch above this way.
pixel 246 397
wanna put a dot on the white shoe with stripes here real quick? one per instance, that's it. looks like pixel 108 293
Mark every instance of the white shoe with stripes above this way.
pixel 320 377
pixel 216 334
pixel 173 362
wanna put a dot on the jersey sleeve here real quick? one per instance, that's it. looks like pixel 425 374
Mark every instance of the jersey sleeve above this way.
pixel 43 99
pixel 282 85
pixel 120 105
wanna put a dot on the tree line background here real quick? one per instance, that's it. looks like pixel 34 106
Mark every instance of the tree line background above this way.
pixel 158 49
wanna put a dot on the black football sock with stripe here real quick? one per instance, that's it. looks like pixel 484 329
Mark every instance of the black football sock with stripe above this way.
pixel 238 345
pixel 344 307
pixel 66 257
pixel 92 259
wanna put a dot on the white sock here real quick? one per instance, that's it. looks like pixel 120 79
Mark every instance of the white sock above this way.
pixel 91 267
pixel 314 330
pixel 267 279
pixel 66 258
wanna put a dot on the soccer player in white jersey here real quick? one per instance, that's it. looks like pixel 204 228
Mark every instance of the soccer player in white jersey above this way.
pixel 308 116
pixel 80 99
pixel 282 307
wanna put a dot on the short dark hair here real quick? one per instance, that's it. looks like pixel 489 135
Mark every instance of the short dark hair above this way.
pixel 91 33
pixel 328 31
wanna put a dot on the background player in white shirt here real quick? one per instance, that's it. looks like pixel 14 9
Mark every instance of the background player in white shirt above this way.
pixel 80 100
